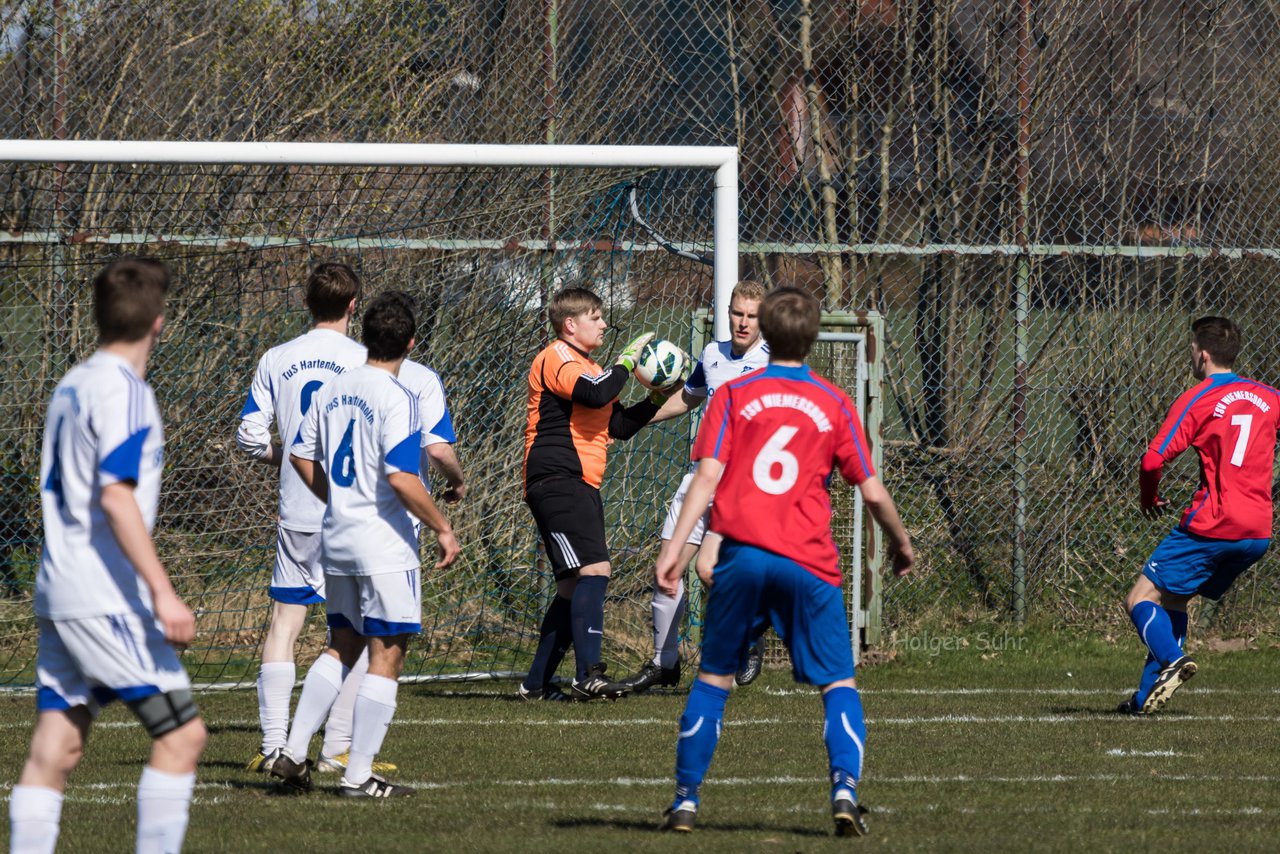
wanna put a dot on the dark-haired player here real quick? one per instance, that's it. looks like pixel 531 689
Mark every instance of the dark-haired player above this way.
pixel 766 448
pixel 109 617
pixel 284 384
pixel 359 449
pixel 1231 422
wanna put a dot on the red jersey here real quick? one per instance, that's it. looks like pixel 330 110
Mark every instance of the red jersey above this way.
pixel 779 432
pixel 1231 422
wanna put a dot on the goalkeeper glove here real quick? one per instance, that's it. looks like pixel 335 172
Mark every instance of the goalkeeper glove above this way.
pixel 631 353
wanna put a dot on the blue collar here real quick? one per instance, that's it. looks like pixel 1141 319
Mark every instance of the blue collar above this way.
pixel 788 372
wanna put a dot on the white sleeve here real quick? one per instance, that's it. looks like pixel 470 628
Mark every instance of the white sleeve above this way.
pixel 119 420
pixel 433 409
pixel 254 435
pixel 401 439
pixel 307 444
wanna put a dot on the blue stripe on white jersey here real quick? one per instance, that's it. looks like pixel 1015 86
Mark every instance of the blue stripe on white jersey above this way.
pixel 102 427
pixel 718 365
pixel 284 384
pixel 433 408
pixel 354 427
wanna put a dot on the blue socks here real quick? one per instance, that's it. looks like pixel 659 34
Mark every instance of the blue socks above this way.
pixel 1155 627
pixel 588 620
pixel 845 732
pixel 1151 670
pixel 699 731
pixel 555 638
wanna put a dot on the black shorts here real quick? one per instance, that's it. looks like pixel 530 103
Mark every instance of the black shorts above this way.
pixel 570 519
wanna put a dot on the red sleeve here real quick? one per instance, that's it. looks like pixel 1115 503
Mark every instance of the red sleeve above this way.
pixel 715 435
pixel 1179 427
pixel 1173 437
pixel 852 454
pixel 1149 478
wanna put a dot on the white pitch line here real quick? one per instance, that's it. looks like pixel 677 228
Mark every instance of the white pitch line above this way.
pixel 221 791
pixel 1116 751
pixel 919 720
pixel 981 692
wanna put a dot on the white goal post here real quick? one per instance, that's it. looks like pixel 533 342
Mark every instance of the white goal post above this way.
pixel 723 160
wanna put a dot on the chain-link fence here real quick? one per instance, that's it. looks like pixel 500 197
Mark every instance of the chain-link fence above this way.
pixel 1037 195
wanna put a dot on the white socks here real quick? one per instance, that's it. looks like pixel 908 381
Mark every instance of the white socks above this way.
pixel 337 729
pixel 275 689
pixel 164 802
pixel 34 812
pixel 668 611
pixel 375 706
pixel 319 691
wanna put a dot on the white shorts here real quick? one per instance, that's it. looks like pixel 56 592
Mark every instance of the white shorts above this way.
pixel 94 660
pixel 673 513
pixel 376 605
pixel 298 578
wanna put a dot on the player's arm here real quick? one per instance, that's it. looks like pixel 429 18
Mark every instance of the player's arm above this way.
pixel 124 517
pixel 711 448
pixel 879 504
pixel 677 405
pixel 444 459
pixel 306 453
pixel 313 475
pixel 253 436
pixel 569 379
pixel 437 442
pixel 693 393
pixel 854 460
pixel 696 501
pixel 626 421
pixel 414 496
pixel 1173 437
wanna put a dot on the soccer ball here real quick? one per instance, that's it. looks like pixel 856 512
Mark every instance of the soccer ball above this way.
pixel 661 364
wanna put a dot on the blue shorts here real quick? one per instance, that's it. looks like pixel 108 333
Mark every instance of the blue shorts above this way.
pixel 1186 564
pixel 751 585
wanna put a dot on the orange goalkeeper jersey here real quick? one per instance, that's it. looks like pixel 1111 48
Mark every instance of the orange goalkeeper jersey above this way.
pixel 564 438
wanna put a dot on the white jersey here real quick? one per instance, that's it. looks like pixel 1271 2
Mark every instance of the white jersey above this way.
pixel 361 428
pixel 102 427
pixel 433 409
pixel 718 365
pixel 284 384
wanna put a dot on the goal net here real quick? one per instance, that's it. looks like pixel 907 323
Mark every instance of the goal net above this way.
pixel 480 248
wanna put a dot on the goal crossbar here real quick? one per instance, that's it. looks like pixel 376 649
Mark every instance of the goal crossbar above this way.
pixel 722 160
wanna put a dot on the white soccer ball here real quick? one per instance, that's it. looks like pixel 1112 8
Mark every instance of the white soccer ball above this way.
pixel 661 364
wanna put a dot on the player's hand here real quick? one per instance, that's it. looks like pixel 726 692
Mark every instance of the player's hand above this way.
pixel 668 571
pixel 708 556
pixel 658 396
pixel 176 619
pixel 448 549
pixel 706 573
pixel 631 353
pixel 1155 511
pixel 902 559
pixel 454 494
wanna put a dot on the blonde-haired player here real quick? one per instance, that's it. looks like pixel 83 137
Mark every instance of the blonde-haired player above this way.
pixel 721 361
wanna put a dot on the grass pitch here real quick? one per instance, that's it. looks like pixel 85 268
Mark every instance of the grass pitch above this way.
pixel 977 741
